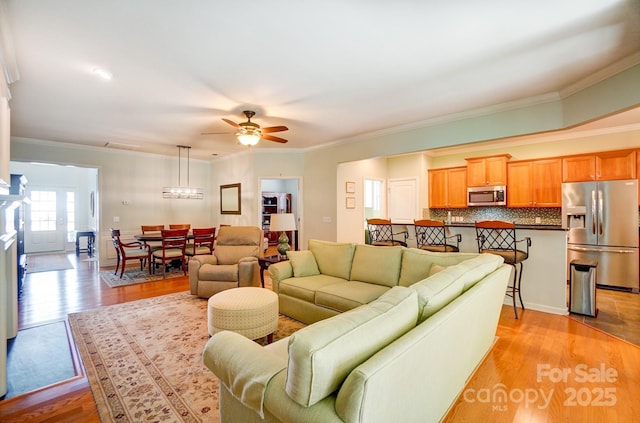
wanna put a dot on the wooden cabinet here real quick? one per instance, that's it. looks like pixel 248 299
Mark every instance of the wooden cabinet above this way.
pixel 448 187
pixel 604 166
pixel 638 173
pixel 487 171
pixel 272 203
pixel 535 183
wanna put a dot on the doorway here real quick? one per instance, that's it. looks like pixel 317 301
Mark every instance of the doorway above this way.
pixel 288 189
pixel 46 219
pixel 63 201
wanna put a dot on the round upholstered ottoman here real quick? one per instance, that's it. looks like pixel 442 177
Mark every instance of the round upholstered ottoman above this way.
pixel 249 311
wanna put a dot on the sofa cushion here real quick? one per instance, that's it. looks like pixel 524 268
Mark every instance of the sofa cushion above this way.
pixel 323 354
pixel 416 265
pixel 305 287
pixel 303 263
pixel 438 290
pixel 345 296
pixel 376 265
pixel 333 258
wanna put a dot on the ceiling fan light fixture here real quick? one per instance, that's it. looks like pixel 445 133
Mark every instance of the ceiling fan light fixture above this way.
pixel 249 135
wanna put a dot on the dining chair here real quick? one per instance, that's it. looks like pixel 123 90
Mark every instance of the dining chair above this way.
pixel 202 242
pixel 180 226
pixel 152 230
pixel 381 233
pixel 431 235
pixel 174 244
pixel 129 251
pixel 499 237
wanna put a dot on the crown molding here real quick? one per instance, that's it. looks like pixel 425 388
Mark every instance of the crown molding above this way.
pixel 601 75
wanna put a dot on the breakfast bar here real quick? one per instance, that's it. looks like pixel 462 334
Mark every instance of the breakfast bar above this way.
pixel 544 276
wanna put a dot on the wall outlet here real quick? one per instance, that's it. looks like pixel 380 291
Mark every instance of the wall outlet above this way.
pixel 538 220
pixel 116 219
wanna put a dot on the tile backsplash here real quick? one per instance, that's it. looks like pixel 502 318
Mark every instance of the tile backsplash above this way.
pixel 523 216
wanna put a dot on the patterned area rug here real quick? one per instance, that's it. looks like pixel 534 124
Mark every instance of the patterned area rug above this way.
pixel 47 263
pixel 134 275
pixel 144 359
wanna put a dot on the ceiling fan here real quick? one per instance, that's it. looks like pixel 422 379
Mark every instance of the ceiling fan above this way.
pixel 249 133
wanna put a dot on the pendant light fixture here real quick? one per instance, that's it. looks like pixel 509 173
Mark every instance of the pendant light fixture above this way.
pixel 180 192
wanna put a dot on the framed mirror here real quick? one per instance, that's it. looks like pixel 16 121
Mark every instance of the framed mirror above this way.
pixel 230 199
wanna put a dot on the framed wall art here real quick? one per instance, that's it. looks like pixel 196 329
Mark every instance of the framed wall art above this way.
pixel 351 202
pixel 350 187
pixel 230 199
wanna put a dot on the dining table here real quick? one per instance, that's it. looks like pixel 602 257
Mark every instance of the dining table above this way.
pixel 155 237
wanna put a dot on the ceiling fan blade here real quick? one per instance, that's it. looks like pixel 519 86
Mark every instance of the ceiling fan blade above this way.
pixel 272 138
pixel 230 122
pixel 215 133
pixel 275 129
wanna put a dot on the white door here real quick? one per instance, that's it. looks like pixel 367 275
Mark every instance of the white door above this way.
pixel 402 200
pixel 45 223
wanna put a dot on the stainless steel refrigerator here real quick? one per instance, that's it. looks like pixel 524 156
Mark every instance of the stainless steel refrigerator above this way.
pixel 602 222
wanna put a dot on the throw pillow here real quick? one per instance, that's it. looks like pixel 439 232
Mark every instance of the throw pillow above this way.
pixel 322 355
pixel 303 263
pixel 333 258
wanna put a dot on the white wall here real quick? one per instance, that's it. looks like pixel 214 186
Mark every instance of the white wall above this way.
pixel 351 222
pixel 248 168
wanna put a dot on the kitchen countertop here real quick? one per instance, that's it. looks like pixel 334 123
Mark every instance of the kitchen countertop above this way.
pixel 528 226
pixel 535 227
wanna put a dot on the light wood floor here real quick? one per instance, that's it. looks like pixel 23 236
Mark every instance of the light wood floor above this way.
pixel 529 358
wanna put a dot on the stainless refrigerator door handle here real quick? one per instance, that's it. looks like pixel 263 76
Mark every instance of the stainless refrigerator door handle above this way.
pixel 600 211
pixel 597 250
pixel 593 210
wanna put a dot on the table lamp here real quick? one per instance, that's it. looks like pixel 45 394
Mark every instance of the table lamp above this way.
pixel 282 222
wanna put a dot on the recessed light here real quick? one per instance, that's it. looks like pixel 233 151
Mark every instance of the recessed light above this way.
pixel 103 73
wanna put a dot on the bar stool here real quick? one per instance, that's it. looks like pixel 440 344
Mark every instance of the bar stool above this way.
pixel 381 233
pixel 91 239
pixel 499 237
pixel 431 235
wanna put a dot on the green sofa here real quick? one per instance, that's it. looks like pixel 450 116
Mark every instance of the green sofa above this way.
pixel 330 278
pixel 402 356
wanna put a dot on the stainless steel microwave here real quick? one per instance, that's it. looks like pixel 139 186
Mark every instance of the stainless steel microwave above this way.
pixel 487 196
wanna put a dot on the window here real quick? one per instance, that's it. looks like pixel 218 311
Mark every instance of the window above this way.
pixel 372 198
pixel 71 216
pixel 43 211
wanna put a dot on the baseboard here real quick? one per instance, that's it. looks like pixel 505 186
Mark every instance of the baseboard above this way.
pixel 562 311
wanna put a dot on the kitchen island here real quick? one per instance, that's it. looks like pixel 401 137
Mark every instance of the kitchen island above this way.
pixel 544 277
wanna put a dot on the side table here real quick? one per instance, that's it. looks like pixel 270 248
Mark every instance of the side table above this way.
pixel 91 239
pixel 267 261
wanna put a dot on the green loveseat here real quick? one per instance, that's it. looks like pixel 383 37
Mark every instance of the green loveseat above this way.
pixel 404 356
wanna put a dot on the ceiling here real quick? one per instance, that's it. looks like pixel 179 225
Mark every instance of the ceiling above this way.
pixel 329 70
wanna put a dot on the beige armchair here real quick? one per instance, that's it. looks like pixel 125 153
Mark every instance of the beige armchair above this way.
pixel 234 262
